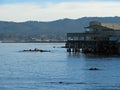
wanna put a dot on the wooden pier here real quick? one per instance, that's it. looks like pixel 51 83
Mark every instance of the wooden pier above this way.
pixel 97 40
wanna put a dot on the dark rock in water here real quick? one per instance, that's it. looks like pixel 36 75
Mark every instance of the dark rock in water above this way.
pixel 36 50
pixel 93 69
pixel 61 82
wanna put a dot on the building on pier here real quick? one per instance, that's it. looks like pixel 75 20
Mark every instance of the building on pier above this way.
pixel 98 38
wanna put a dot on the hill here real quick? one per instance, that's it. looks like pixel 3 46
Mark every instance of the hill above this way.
pixel 54 30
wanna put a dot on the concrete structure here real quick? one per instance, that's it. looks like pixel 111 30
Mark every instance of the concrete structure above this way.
pixel 102 38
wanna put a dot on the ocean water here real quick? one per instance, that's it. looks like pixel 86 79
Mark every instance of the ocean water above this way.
pixel 55 70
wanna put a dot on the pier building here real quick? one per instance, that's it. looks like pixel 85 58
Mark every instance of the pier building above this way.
pixel 98 38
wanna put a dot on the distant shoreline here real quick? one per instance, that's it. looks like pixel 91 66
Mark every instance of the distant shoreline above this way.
pixel 35 42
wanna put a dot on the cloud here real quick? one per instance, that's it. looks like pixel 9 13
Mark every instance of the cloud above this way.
pixel 51 11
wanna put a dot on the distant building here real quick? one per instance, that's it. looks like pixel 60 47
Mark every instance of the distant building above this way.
pixel 96 36
pixel 97 31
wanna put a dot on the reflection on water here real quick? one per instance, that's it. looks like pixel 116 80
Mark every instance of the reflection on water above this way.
pixel 77 55
pixel 55 70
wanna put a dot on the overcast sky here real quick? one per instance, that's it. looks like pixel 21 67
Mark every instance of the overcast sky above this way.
pixel 49 10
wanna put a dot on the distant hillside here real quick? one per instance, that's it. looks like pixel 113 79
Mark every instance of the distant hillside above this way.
pixel 54 30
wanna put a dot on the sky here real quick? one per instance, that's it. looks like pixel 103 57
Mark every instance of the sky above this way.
pixel 49 10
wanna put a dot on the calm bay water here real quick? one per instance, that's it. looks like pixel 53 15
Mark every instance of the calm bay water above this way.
pixel 55 70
